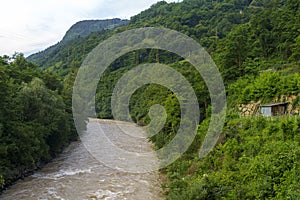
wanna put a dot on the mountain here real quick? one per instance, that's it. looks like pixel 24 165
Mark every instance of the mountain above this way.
pixel 86 27
pixel 205 21
pixel 256 47
pixel 78 31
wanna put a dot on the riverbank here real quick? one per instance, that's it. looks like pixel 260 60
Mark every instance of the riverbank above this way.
pixel 22 174
pixel 76 174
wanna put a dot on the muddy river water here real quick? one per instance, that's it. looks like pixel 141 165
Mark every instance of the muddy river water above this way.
pixel 77 175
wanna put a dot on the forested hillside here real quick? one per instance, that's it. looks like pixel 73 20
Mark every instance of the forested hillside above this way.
pixel 35 117
pixel 67 49
pixel 240 35
pixel 256 46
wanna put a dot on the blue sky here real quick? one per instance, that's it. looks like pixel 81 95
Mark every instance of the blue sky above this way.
pixel 33 25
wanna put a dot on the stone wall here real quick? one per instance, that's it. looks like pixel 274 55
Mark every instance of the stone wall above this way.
pixel 290 99
pixel 253 107
pixel 250 109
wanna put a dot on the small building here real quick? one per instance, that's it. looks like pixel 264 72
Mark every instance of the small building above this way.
pixel 273 109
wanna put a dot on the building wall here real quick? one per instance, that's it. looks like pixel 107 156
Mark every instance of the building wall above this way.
pixel 266 111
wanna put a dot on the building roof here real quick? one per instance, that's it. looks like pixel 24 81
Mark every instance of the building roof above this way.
pixel 274 104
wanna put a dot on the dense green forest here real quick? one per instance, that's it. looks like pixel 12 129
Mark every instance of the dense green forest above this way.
pixel 256 46
pixel 64 52
pixel 258 158
pixel 35 117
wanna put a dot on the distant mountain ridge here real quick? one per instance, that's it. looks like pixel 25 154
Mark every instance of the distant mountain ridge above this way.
pixel 80 30
pixel 86 27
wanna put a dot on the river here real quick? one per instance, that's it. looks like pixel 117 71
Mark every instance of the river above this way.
pixel 77 175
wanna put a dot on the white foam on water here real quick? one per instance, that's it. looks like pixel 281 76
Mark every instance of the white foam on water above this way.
pixel 53 194
pixel 79 177
pixel 106 195
pixel 62 173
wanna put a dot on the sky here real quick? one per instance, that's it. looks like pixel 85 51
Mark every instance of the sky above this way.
pixel 33 25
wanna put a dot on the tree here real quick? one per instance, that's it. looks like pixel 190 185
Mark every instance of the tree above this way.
pixel 233 51
pixel 296 50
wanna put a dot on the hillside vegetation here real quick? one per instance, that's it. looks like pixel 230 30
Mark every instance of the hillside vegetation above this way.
pixel 256 46
pixel 59 54
pixel 35 117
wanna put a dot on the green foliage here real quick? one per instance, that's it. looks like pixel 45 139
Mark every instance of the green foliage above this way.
pixel 255 44
pixel 241 35
pixel 34 124
pixel 296 50
pixel 270 35
pixel 233 52
pixel 258 160
pixel 79 40
pixel 63 55
pixel 264 87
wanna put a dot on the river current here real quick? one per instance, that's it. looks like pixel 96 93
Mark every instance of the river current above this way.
pixel 77 175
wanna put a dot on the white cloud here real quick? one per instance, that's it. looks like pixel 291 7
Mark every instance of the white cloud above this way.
pixel 32 25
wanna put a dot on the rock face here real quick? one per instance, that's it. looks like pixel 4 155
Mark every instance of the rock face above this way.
pixel 252 108
pixel 86 27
